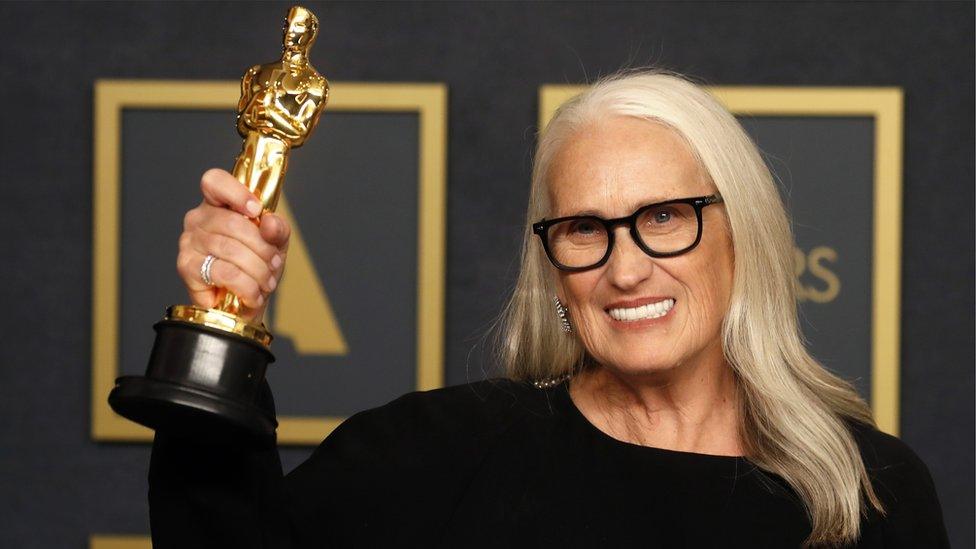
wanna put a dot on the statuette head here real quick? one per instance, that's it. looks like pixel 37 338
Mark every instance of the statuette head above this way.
pixel 301 28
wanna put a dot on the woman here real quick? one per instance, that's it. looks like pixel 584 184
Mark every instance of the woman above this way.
pixel 659 393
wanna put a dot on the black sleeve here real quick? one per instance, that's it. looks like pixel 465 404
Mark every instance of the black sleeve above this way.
pixel 390 476
pixel 209 493
pixel 369 483
pixel 913 515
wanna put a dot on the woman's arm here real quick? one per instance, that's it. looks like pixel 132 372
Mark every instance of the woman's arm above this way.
pixel 217 493
pixel 223 493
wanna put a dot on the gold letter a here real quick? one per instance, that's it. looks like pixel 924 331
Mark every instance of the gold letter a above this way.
pixel 301 309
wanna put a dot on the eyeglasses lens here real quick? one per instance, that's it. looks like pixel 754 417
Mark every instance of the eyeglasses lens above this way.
pixel 582 242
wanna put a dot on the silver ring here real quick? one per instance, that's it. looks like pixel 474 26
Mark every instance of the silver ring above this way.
pixel 205 269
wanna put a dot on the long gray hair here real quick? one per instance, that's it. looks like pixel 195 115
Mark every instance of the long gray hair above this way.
pixel 794 412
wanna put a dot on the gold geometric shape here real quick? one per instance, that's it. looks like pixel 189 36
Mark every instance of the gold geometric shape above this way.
pixel 119 542
pixel 427 101
pixel 301 308
pixel 885 105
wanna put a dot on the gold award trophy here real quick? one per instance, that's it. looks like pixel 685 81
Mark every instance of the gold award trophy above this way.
pixel 207 365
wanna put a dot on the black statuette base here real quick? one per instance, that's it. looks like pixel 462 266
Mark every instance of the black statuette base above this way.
pixel 200 381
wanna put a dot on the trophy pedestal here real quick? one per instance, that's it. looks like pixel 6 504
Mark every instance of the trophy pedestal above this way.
pixel 200 381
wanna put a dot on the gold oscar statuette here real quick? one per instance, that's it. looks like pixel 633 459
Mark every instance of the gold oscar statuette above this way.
pixel 207 366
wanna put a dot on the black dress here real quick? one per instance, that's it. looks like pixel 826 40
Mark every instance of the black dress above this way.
pixel 503 464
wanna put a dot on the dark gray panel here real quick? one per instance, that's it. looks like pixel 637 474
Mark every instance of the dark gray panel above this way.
pixel 826 174
pixel 357 205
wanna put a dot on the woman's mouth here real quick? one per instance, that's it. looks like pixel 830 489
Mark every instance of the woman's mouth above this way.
pixel 645 311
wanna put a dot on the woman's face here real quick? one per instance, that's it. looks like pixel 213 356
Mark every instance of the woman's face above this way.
pixel 610 169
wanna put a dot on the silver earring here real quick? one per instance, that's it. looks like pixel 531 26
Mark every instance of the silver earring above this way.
pixel 563 313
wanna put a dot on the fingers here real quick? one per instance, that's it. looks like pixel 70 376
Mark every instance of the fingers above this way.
pixel 250 256
pixel 222 189
pixel 232 239
pixel 223 274
pixel 188 264
pixel 227 275
pixel 246 264
pixel 275 230
pixel 233 252
pixel 222 221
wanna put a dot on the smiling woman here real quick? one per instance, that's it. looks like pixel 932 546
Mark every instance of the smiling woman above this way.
pixel 698 348
pixel 667 400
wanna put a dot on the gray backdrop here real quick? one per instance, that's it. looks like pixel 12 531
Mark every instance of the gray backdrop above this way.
pixel 57 486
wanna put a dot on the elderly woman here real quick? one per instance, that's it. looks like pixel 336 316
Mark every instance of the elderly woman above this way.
pixel 658 395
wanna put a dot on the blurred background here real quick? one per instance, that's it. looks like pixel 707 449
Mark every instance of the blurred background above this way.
pixel 60 484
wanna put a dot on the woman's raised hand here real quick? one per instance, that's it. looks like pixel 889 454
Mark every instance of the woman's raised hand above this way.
pixel 249 258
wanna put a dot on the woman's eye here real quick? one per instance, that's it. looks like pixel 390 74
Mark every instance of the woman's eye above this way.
pixel 585 228
pixel 662 216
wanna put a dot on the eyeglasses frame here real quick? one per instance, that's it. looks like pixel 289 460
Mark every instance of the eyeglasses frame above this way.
pixel 541 228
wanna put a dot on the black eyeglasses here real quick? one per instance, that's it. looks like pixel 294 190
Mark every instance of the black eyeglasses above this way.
pixel 665 229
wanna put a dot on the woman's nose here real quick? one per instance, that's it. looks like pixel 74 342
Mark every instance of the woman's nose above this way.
pixel 628 265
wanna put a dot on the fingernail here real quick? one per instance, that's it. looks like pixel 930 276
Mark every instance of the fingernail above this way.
pixel 276 261
pixel 272 283
pixel 260 300
pixel 253 208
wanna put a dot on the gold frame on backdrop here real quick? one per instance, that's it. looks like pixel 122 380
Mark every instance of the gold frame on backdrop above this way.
pixel 119 542
pixel 886 106
pixel 429 101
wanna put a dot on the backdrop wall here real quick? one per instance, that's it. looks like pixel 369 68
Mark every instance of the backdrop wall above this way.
pixel 57 486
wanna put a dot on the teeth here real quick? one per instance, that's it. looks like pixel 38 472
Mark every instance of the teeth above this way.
pixel 651 310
